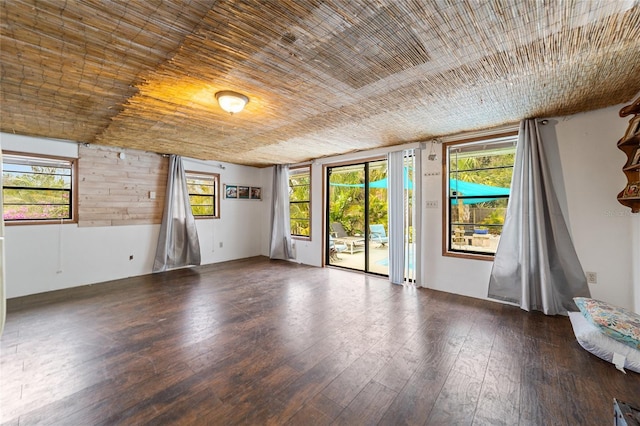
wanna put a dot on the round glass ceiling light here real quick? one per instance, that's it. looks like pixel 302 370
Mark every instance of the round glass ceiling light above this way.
pixel 230 101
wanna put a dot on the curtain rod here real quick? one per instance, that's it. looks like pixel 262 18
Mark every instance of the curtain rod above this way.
pixel 203 162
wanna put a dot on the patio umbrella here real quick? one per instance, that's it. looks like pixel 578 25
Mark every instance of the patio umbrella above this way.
pixel 470 189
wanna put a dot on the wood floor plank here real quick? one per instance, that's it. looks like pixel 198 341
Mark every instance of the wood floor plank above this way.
pixel 312 382
pixel 326 406
pixel 368 407
pixel 395 373
pixel 355 377
pixel 256 341
pixel 457 401
pixel 500 394
pixel 541 396
pixel 413 404
pixel 472 360
pixel 309 415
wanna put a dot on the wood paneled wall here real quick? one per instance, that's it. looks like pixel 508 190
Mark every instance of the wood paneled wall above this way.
pixel 116 191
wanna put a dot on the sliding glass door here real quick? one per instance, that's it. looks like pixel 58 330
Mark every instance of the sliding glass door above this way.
pixel 377 218
pixel 357 220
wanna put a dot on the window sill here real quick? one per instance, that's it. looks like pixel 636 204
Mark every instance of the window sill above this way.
pixel 469 255
pixel 40 222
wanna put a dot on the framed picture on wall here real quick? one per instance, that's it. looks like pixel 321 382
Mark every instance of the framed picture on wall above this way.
pixel 243 192
pixel 256 193
pixel 230 191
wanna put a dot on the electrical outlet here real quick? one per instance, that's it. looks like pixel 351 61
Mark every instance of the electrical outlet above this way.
pixel 592 277
pixel 220 244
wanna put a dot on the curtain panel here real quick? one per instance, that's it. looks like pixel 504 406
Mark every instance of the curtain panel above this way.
pixel 536 265
pixel 178 243
pixel 395 168
pixel 404 195
pixel 280 247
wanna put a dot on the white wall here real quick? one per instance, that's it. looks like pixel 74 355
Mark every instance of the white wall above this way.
pixel 243 227
pixel 42 258
pixel 602 228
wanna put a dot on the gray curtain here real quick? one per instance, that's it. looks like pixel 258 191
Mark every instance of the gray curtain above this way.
pixel 178 243
pixel 280 247
pixel 536 265
pixel 395 194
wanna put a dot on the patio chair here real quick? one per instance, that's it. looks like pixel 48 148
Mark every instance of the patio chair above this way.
pixel 378 234
pixel 353 243
pixel 335 249
pixel 338 231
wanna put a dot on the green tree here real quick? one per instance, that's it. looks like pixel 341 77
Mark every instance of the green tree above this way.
pixel 36 192
pixel 491 170
pixel 201 195
pixel 494 169
pixel 299 203
pixel 347 196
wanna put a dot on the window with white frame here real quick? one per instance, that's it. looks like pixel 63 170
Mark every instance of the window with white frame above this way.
pixel 204 194
pixel 478 185
pixel 37 188
pixel 300 201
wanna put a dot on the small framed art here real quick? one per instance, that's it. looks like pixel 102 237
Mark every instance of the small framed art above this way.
pixel 255 193
pixel 230 191
pixel 243 192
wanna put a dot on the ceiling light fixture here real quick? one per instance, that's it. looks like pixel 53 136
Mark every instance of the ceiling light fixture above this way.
pixel 231 102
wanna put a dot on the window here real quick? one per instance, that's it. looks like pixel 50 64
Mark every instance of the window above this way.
pixel 204 194
pixel 300 201
pixel 37 188
pixel 479 178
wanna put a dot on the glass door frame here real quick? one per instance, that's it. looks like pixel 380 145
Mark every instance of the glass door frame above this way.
pixel 327 203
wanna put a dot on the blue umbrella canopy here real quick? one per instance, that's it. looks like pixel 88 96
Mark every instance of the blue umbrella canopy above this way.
pixel 470 189
pixel 382 183
pixel 466 189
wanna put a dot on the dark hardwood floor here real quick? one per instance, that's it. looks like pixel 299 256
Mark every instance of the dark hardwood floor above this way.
pixel 269 342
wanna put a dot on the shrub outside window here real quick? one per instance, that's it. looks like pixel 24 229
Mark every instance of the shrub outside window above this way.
pixel 478 186
pixel 204 193
pixel 300 201
pixel 37 189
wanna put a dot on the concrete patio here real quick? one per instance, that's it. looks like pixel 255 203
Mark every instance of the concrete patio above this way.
pixel 379 255
pixel 378 259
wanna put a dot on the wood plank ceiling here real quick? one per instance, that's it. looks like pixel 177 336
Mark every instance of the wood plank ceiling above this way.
pixel 323 77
